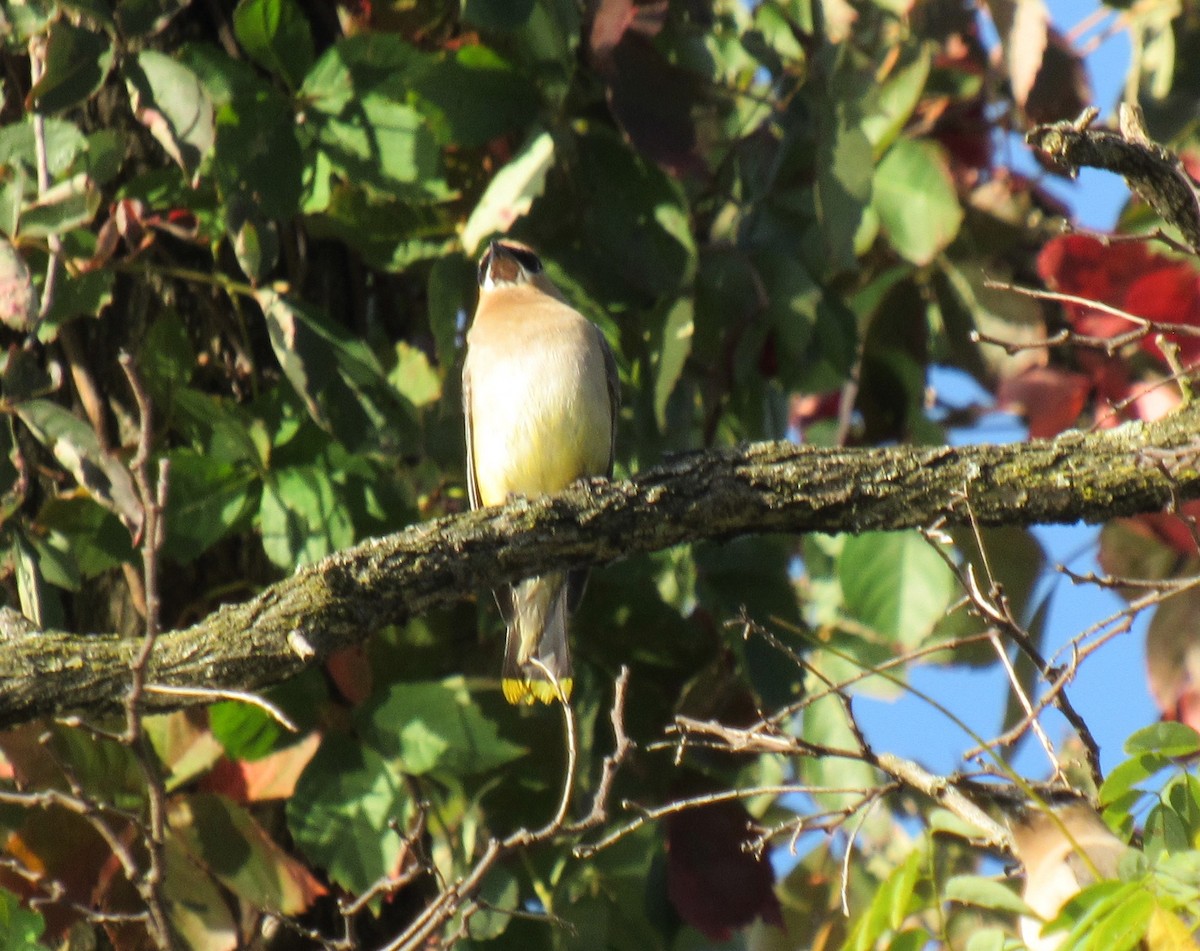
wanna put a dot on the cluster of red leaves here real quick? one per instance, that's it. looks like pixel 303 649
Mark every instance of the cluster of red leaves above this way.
pixel 1125 277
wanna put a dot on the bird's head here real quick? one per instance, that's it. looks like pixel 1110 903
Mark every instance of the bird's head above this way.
pixel 508 263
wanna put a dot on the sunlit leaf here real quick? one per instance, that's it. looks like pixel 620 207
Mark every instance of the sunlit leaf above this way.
pixel 896 584
pixel 435 727
pixel 916 200
pixel 169 99
pixel 277 36
pixel 342 810
pixel 980 892
pixel 19 927
pixel 77 62
pixel 77 448
pixel 511 193
pixel 242 856
pixel 678 328
pixel 303 517
pixel 1165 739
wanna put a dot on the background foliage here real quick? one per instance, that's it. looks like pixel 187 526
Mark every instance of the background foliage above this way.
pixel 781 215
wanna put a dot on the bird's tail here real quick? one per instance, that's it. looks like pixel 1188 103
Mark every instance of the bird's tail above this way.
pixel 537 660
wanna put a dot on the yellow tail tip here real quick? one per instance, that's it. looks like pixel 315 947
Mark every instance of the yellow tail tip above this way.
pixel 529 692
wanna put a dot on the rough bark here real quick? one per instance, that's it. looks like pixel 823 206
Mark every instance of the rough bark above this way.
pixel 766 487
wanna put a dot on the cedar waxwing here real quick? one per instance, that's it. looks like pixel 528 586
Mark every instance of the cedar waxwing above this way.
pixel 1055 867
pixel 540 396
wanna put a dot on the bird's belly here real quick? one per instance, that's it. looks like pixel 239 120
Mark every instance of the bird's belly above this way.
pixel 538 426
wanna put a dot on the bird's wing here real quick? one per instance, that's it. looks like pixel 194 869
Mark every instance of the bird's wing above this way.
pixel 472 482
pixel 614 394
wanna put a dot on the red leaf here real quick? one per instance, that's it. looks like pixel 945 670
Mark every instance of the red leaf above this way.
pixel 614 17
pixel 651 98
pixel 351 672
pixel 1125 276
pixel 1050 398
pixel 1169 294
pixel 272 777
pixel 804 410
pixel 714 884
pixel 1061 89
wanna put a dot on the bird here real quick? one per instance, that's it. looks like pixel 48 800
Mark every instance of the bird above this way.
pixel 1063 848
pixel 540 401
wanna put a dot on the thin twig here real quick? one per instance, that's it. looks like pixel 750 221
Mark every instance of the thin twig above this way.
pixel 37 67
pixel 153 498
pixel 241 696
pixel 459 895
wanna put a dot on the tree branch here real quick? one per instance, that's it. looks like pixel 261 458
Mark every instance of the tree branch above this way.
pixel 717 495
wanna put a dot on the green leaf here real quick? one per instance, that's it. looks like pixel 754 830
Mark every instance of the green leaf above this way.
pixel 69 204
pixel 916 200
pixel 199 913
pixel 793 298
pixel 1125 776
pixel 413 376
pixel 77 62
pixel 981 892
pixel 912 939
pixel 1083 912
pixel 337 376
pixel 89 534
pixel 75 445
pixel 77 295
pixel 258 155
pixel 360 115
pixel 895 583
pixel 489 15
pixel 1165 832
pixel 631 212
pixel 1165 739
pixel 19 927
pixel 244 730
pixel 303 517
pixel 989 939
pixel 209 498
pixel 471 96
pixel 165 357
pixel 451 290
pixel 500 894
pixel 391 235
pixel 242 856
pixel 511 192
pixel 255 239
pixel 890 905
pixel 169 99
pixel 36 602
pixel 342 810
pixel 277 36
pixel 64 142
pixel 1118 922
pixel 890 109
pixel 146 17
pixel 678 328
pixel 843 188
pixel 435 727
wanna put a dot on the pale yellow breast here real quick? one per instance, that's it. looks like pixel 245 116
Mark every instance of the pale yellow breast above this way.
pixel 541 416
